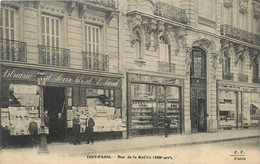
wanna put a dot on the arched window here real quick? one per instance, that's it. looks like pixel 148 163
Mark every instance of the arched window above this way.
pixel 198 65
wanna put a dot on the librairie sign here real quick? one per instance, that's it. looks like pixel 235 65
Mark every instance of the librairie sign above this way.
pixel 57 77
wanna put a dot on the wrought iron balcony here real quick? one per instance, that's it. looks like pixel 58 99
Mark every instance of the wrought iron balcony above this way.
pixel 170 12
pixel 256 79
pixel 109 3
pixel 55 56
pixel 95 61
pixel 240 34
pixel 13 50
pixel 227 76
pixel 242 78
pixel 166 67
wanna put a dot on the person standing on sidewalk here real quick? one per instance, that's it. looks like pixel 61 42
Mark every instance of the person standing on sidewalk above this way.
pixel 76 129
pixel 89 129
pixel 60 127
pixel 167 122
pixel 33 129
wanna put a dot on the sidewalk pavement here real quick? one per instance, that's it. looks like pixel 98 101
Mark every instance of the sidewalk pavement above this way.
pixel 142 143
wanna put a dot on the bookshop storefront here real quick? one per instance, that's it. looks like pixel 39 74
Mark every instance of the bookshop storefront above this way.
pixel 65 92
pixel 238 106
pixel 150 100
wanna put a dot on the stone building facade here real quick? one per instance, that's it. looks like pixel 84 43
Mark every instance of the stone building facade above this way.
pixel 195 62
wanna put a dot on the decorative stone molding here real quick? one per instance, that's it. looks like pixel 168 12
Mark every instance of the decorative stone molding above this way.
pixel 158 33
pixel 241 51
pixel 204 43
pixel 36 4
pixel 82 8
pixel 228 3
pixel 243 5
pixel 110 16
pixel 215 57
pixel 256 10
pixel 188 51
pixel 14 5
pixel 71 5
pixel 226 48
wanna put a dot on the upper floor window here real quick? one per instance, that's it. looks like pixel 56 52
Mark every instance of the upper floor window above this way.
pixel 92 38
pixel 255 68
pixel 241 65
pixel 50 31
pixel 7 23
pixel 198 65
pixel 226 64
pixel 164 52
pixel 206 8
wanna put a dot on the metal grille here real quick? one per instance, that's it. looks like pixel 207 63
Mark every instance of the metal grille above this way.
pixel 95 61
pixel 13 50
pixel 54 56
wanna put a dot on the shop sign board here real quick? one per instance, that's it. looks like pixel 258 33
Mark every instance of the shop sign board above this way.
pixel 239 88
pixel 59 77
pixel 154 79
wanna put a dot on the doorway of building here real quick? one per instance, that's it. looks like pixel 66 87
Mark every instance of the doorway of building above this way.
pixel 54 103
pixel 198 90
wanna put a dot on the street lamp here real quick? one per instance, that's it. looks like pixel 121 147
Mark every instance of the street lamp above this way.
pixel 41 77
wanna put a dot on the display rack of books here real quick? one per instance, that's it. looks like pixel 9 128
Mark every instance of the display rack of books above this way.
pixel 173 111
pixel 17 119
pixel 106 118
pixel 142 114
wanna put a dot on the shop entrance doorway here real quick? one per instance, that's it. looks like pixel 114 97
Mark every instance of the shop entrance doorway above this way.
pixel 54 103
pixel 198 91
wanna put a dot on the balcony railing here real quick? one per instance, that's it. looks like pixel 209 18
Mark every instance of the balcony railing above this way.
pixel 228 76
pixel 256 80
pixel 109 3
pixel 240 34
pixel 242 78
pixel 166 67
pixel 95 61
pixel 55 56
pixel 170 12
pixel 13 50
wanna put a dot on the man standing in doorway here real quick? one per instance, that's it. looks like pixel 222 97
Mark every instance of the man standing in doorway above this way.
pixel 89 129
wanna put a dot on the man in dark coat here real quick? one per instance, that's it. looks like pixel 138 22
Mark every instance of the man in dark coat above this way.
pixel 60 127
pixel 76 129
pixel 89 129
pixel 33 129
pixel 167 122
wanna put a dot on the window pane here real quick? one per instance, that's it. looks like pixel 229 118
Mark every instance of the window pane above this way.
pixel 47 26
pixel 1 32
pixel 57 27
pixel 93 30
pixel 12 18
pixel 43 40
pixel 52 26
pixel 7 33
pixel 53 41
pixel 97 32
pixel 86 33
pixel 89 34
pixel 43 25
pixel 1 17
pixel 12 34
pixel 6 17
pixel 57 42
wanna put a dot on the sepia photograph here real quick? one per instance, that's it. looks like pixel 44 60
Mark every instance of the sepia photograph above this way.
pixel 130 81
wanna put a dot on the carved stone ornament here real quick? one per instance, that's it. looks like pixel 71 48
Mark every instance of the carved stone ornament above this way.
pixel 134 23
pixel 227 48
pixel 110 16
pixel 158 33
pixel 243 5
pixel 82 8
pixel 36 4
pixel 241 51
pixel 215 63
pixel 71 5
pixel 149 27
pixel 180 38
pixel 256 9
pixel 204 43
pixel 253 53
pixel 188 60
pixel 11 4
pixel 228 3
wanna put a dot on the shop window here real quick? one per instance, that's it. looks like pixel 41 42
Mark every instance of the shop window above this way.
pixel 251 109
pixel 7 23
pixel 100 97
pixel 50 31
pixel 198 65
pixel 92 38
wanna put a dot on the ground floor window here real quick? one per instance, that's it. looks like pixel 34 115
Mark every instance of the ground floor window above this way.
pixel 150 105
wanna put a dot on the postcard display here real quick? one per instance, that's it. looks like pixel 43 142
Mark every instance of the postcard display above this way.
pixel 106 118
pixel 18 117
